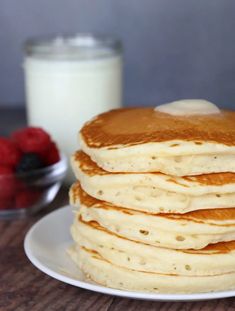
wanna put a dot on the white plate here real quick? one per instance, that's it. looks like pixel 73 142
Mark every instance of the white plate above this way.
pixel 46 243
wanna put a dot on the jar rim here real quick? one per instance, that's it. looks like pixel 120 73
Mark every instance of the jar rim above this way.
pixel 87 44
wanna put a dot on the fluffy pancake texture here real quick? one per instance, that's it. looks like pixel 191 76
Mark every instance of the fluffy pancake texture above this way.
pixel 105 273
pixel 212 260
pixel 192 230
pixel 154 204
pixel 155 192
pixel 144 140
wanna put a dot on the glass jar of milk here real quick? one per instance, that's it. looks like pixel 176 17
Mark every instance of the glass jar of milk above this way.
pixel 68 80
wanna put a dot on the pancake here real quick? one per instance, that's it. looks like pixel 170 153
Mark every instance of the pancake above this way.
pixel 212 260
pixel 146 140
pixel 193 230
pixel 155 192
pixel 103 272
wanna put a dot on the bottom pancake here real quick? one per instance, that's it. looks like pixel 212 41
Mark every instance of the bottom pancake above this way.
pixel 103 272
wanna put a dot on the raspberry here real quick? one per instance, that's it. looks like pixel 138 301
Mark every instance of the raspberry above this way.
pixel 31 139
pixel 6 203
pixel 51 156
pixel 20 185
pixel 7 182
pixel 6 170
pixel 26 198
pixel 29 162
pixel 9 153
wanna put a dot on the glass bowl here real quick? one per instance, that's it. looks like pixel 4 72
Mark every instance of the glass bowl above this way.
pixel 26 193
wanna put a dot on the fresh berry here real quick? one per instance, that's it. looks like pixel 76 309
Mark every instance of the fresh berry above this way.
pixel 52 155
pixel 6 170
pixel 29 162
pixel 26 198
pixel 31 139
pixel 7 182
pixel 20 184
pixel 9 153
pixel 7 203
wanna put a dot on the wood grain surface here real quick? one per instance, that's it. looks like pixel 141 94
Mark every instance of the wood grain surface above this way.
pixel 23 287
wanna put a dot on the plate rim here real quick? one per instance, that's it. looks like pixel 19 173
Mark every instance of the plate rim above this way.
pixel 103 289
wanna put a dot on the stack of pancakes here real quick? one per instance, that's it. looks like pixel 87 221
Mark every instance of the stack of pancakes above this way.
pixel 157 196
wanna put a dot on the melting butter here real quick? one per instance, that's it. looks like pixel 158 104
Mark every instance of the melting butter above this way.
pixel 187 107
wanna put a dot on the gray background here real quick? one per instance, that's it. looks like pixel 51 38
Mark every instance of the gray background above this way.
pixel 173 48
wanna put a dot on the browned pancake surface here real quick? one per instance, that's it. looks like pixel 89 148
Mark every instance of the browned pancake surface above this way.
pixel 131 126
pixel 87 165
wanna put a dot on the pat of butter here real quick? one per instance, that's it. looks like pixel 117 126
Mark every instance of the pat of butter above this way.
pixel 187 107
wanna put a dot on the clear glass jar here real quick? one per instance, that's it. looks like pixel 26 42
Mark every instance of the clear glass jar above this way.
pixel 68 80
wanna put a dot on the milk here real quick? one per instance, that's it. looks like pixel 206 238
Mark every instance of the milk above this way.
pixel 65 91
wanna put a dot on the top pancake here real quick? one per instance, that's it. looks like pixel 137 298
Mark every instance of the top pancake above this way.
pixel 132 126
pixel 145 140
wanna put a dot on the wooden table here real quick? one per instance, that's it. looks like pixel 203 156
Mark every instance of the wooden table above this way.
pixel 23 287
